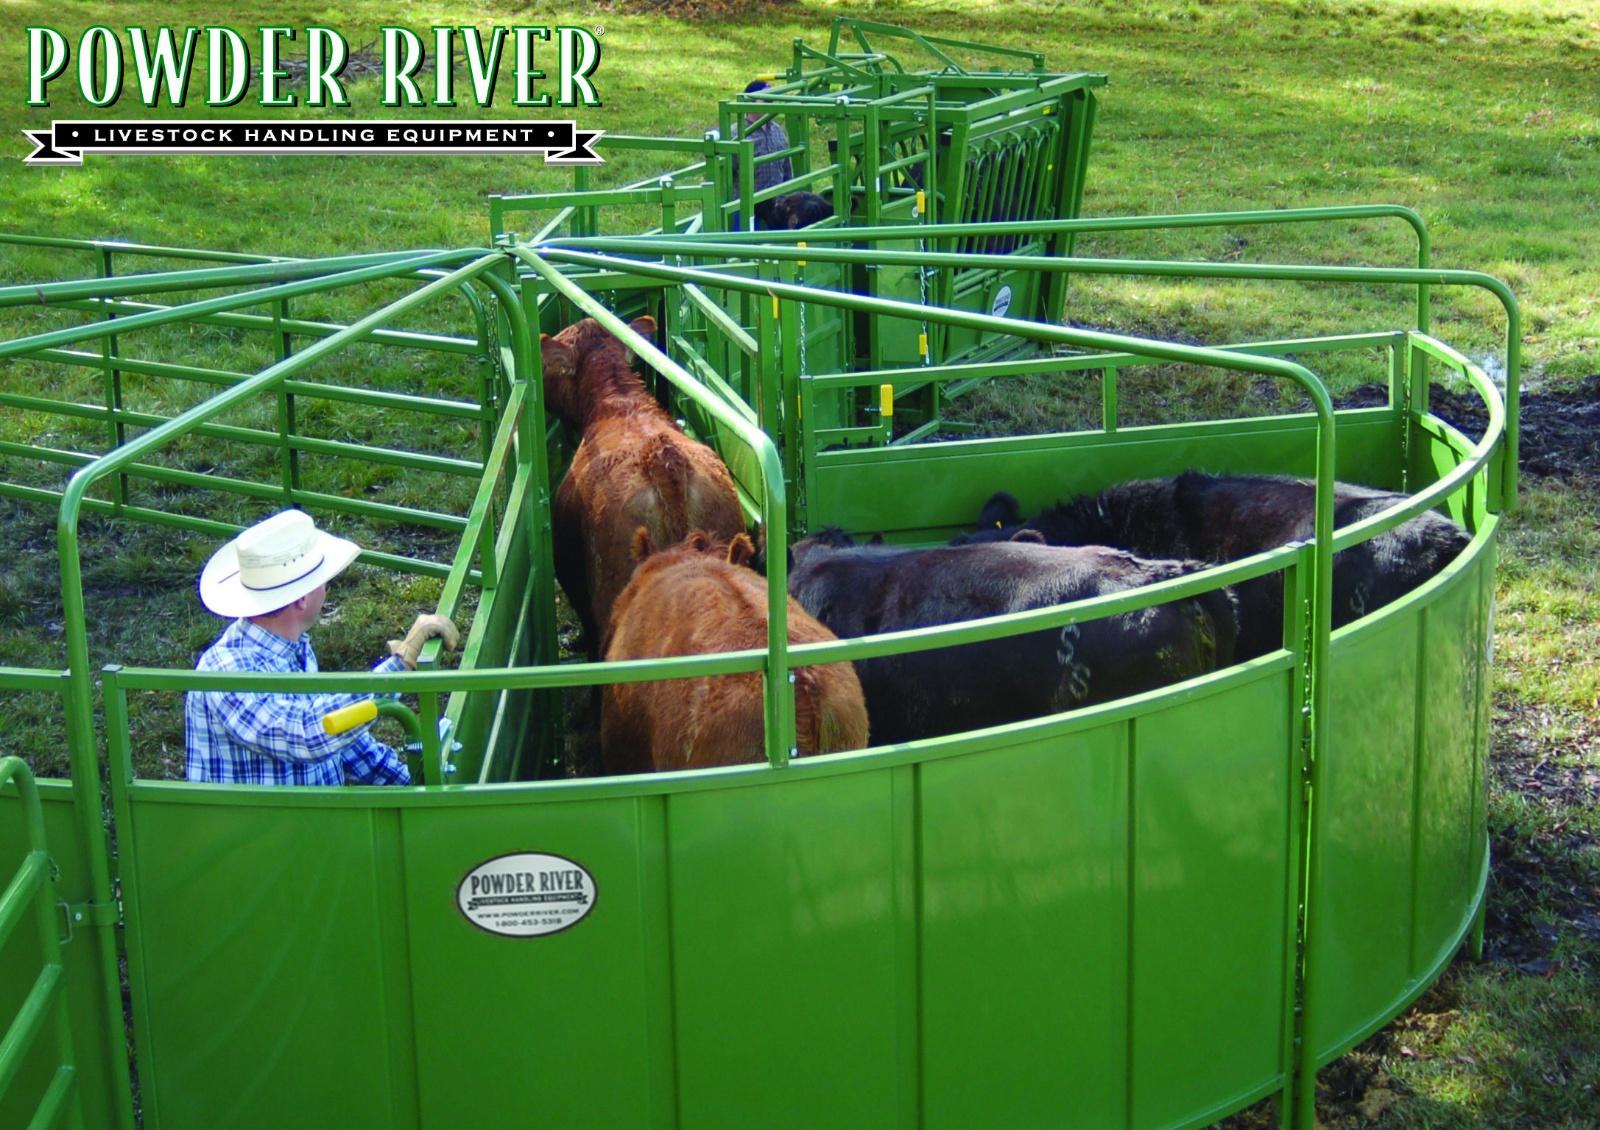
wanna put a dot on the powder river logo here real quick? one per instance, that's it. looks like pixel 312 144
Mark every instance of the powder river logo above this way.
pixel 466 66
pixel 526 894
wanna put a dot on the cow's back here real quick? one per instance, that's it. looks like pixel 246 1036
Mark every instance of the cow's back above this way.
pixel 629 472
pixel 921 694
pixel 697 606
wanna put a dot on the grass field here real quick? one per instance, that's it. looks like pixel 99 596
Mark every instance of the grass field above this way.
pixel 1484 115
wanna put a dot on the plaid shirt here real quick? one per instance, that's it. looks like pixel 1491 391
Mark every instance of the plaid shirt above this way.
pixel 278 739
pixel 767 138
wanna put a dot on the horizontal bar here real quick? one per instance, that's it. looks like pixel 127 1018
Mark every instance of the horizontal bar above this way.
pixel 94 331
pixel 421 682
pixel 31 679
pixel 18 895
pixel 732 662
pixel 1071 362
pixel 230 485
pixel 255 436
pixel 154 250
pixel 264 323
pixel 1248 218
pixel 206 526
pixel 202 278
pixel 30 1019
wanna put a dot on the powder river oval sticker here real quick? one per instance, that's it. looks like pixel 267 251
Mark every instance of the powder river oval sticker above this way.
pixel 1002 302
pixel 526 894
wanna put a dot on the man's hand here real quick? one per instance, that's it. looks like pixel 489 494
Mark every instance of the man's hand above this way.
pixel 423 629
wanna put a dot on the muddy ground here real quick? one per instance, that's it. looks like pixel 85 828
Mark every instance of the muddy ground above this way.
pixel 1559 433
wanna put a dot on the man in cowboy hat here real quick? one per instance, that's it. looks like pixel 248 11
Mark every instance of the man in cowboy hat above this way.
pixel 273 578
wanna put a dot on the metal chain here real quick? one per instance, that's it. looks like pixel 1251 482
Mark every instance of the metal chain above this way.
pixel 494 342
pixel 800 278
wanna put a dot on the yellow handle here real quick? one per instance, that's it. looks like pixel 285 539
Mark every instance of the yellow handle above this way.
pixel 801 244
pixel 922 202
pixel 922 344
pixel 886 400
pixel 349 717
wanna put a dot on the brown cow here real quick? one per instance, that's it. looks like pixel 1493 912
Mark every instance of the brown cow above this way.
pixel 695 598
pixel 633 467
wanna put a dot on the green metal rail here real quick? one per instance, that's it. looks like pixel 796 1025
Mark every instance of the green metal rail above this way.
pixel 45 1005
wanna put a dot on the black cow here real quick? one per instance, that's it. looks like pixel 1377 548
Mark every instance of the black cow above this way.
pixel 796 210
pixel 861 590
pixel 1219 518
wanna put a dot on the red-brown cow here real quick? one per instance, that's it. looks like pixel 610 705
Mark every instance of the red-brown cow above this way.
pixel 695 598
pixel 633 467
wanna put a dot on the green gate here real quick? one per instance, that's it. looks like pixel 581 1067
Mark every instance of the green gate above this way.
pixel 24 1049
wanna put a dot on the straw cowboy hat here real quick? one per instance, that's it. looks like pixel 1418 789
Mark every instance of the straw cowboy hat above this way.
pixel 272 564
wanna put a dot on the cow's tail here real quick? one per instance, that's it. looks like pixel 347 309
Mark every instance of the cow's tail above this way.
pixel 822 725
pixel 668 473
pixel 1219 623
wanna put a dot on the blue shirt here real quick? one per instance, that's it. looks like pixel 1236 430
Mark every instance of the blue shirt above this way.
pixel 278 739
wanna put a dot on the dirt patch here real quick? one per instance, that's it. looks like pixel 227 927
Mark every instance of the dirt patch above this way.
pixel 1559 432
pixel 1544 890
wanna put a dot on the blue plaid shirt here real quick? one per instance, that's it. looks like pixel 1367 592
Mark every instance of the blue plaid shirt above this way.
pixel 278 739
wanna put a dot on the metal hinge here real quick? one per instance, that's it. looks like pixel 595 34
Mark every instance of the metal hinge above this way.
pixel 75 915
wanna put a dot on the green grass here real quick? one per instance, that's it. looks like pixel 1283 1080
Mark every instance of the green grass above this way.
pixel 1481 114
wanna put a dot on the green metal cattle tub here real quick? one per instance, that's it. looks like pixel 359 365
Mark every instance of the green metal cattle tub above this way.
pixel 1031 923
pixel 1148 913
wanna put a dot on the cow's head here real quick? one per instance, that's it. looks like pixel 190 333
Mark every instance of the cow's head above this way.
pixel 564 358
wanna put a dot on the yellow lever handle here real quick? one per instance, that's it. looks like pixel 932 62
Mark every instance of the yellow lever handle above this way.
pixel 349 717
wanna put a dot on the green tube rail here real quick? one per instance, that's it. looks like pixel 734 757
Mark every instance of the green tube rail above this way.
pixel 33 886
pixel 1154 267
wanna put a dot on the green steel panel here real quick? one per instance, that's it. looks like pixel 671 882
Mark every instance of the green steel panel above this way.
pixel 784 922
pixel 1361 904
pixel 265 966
pixel 1446 746
pixel 937 488
pixel 1211 791
pixel 543 1031
pixel 1024 932
pixel 86 1003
